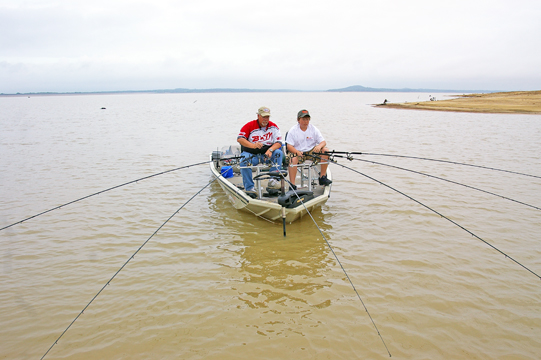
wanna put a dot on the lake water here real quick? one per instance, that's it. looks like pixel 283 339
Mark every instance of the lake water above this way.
pixel 215 283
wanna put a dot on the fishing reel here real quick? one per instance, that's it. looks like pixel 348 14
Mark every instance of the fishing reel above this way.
pixel 248 159
pixel 262 160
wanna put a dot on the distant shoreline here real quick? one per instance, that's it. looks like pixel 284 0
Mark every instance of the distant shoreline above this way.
pixel 514 102
pixel 355 88
pixel 172 91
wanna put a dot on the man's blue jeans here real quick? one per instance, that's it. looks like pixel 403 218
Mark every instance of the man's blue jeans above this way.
pixel 276 158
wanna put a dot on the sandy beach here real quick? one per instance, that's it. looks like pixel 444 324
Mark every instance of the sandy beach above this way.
pixel 517 102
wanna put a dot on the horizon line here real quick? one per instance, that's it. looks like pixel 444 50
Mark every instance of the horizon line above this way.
pixel 354 88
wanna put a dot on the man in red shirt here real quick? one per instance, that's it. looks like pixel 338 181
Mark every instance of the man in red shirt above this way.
pixel 260 141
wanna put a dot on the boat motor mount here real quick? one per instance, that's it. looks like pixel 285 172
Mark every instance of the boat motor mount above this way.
pixel 291 199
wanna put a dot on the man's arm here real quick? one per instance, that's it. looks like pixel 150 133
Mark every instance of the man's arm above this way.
pixel 293 150
pixel 273 147
pixel 320 146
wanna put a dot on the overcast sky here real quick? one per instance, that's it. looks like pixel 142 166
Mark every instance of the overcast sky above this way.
pixel 102 45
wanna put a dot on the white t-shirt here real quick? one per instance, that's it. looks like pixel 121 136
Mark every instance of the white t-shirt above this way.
pixel 304 140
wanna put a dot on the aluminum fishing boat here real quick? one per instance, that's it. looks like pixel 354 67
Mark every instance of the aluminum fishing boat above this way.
pixel 273 203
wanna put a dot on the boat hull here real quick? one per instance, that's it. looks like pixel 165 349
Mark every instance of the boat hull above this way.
pixel 267 208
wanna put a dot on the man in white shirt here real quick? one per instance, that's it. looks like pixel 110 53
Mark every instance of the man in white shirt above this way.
pixel 304 139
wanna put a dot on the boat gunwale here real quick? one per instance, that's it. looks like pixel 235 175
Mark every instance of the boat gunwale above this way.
pixel 291 213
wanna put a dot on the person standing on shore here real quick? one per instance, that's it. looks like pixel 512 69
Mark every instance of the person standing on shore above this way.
pixel 304 139
pixel 260 141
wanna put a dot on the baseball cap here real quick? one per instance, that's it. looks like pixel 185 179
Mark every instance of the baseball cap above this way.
pixel 302 114
pixel 263 111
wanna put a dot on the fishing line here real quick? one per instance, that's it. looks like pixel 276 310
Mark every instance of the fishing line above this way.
pixel 101 192
pixel 451 181
pixel 126 263
pixel 443 216
pixel 341 266
pixel 437 160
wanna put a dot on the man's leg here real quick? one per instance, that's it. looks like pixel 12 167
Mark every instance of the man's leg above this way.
pixel 293 169
pixel 324 159
pixel 247 180
pixel 277 158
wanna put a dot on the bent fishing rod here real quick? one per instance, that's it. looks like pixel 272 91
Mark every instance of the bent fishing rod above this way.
pixel 349 279
pixel 443 216
pixel 349 154
pixel 103 191
pixel 282 175
pixel 440 178
pixel 126 263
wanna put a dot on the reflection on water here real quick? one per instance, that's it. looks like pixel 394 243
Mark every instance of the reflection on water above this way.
pixel 277 269
pixel 282 267
pixel 280 283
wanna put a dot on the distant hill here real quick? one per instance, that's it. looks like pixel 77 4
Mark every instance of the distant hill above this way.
pixel 359 88
pixel 355 88
pixel 219 90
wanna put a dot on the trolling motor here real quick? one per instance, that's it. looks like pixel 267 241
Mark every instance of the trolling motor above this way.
pixel 290 199
pixel 281 174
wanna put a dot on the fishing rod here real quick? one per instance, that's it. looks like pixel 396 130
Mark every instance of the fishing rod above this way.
pixel 259 157
pixel 450 181
pixel 341 266
pixel 101 192
pixel 349 153
pixel 443 216
pixel 282 175
pixel 126 263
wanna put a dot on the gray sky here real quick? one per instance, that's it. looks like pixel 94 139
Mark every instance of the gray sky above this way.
pixel 98 45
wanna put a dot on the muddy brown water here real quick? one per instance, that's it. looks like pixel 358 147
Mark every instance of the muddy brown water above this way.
pixel 215 283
